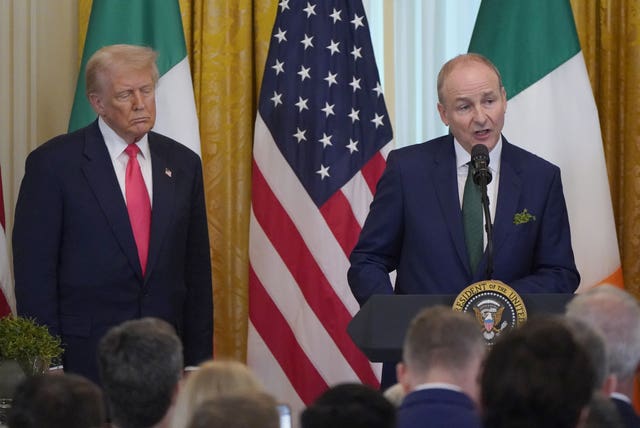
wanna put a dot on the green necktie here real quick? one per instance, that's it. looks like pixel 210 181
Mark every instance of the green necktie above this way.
pixel 472 220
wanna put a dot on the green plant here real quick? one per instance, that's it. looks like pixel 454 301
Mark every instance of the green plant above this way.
pixel 27 342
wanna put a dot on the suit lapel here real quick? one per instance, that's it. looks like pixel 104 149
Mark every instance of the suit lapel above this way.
pixel 101 177
pixel 446 183
pixel 163 197
pixel 508 196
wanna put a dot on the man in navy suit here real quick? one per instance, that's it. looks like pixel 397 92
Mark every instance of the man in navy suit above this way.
pixel 80 266
pixel 442 356
pixel 616 314
pixel 415 224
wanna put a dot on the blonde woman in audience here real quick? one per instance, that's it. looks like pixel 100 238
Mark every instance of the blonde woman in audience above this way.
pixel 211 380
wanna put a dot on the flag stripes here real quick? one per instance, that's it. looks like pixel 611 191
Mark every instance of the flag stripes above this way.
pixel 7 296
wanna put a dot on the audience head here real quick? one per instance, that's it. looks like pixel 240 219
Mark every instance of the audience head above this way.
pixel 212 379
pixel 592 341
pixel 239 410
pixel 140 365
pixel 56 401
pixel 442 345
pixel 537 375
pixel 617 314
pixel 349 405
pixel 603 413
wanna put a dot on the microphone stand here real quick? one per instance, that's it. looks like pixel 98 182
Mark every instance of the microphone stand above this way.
pixel 484 179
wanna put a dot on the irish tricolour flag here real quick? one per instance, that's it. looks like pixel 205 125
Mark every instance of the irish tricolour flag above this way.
pixel 551 112
pixel 153 23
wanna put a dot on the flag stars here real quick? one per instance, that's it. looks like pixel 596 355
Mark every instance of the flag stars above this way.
pixel 377 120
pixel 302 104
pixel 300 135
pixel 323 172
pixel 356 53
pixel 378 89
pixel 307 42
pixel 284 4
pixel 357 21
pixel 310 9
pixel 333 47
pixel 355 83
pixel 304 73
pixel 336 15
pixel 352 146
pixel 325 140
pixel 331 79
pixel 279 67
pixel 280 35
pixel 328 109
pixel 354 115
pixel 276 98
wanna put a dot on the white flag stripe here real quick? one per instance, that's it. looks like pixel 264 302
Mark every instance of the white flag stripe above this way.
pixel 269 372
pixel 6 284
pixel 287 296
pixel 304 214
pixel 359 195
pixel 580 156
pixel 176 115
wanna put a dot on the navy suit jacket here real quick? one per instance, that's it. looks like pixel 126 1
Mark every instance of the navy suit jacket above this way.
pixel 628 415
pixel 75 259
pixel 437 408
pixel 415 226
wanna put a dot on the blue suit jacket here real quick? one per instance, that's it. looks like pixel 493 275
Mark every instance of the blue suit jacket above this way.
pixel 437 408
pixel 628 415
pixel 415 227
pixel 75 259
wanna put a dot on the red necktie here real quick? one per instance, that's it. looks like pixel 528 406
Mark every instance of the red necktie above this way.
pixel 138 204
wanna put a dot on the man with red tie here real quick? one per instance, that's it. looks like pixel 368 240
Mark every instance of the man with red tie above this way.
pixel 111 224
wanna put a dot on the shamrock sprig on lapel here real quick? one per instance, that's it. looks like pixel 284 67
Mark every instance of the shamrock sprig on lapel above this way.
pixel 523 217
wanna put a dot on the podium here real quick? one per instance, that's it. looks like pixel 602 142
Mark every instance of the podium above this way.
pixel 378 329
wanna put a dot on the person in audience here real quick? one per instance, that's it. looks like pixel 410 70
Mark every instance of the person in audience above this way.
pixel 537 375
pixel 212 379
pixel 141 365
pixel 603 413
pixel 239 410
pixel 349 405
pixel 617 314
pixel 395 393
pixel 56 401
pixel 442 355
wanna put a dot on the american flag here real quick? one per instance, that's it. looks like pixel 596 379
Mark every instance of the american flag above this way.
pixel 7 299
pixel 321 137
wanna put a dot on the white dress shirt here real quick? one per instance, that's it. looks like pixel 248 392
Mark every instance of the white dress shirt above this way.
pixel 116 146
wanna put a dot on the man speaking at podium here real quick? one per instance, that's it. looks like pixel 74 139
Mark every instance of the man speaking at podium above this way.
pixel 427 222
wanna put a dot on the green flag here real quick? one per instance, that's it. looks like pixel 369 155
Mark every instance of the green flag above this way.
pixel 551 112
pixel 153 23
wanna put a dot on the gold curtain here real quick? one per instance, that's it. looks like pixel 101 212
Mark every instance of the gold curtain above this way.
pixel 609 32
pixel 227 43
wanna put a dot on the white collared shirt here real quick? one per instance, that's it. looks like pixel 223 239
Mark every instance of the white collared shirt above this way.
pixel 462 168
pixel 116 146
pixel 438 385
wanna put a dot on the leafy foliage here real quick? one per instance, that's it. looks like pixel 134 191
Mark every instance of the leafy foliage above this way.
pixel 27 342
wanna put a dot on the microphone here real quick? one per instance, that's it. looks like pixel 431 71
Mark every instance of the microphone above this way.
pixel 480 163
pixel 482 177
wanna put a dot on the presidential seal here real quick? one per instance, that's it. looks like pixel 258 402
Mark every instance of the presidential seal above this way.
pixel 496 306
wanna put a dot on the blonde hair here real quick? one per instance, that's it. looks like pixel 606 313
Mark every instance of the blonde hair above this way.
pixel 212 379
pixel 109 57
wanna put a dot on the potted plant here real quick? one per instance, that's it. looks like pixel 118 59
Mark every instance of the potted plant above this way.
pixel 30 345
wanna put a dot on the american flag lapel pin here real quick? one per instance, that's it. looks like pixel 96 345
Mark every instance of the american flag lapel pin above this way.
pixel 168 172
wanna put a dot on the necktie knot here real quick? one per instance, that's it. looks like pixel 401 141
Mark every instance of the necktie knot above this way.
pixel 132 150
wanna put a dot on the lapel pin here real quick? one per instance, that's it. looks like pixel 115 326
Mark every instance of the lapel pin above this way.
pixel 168 172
